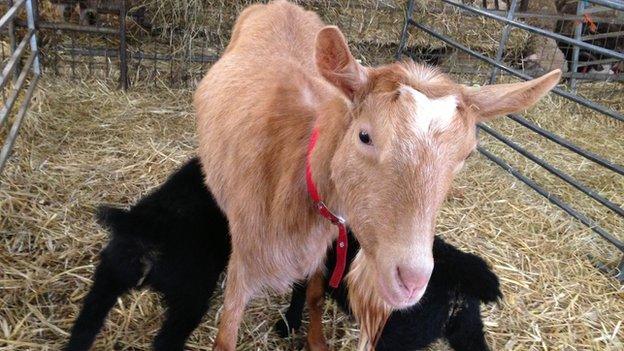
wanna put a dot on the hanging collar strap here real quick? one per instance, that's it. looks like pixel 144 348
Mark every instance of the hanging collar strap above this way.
pixel 341 242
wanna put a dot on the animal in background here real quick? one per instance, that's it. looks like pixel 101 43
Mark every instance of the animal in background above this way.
pixel 64 8
pixel 590 63
pixel 542 56
pixel 450 307
pixel 600 28
pixel 89 10
pixel 388 141
pixel 173 241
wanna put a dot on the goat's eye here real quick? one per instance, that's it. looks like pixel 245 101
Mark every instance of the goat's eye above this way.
pixel 365 138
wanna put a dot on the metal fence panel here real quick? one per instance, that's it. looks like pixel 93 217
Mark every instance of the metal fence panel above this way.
pixel 19 78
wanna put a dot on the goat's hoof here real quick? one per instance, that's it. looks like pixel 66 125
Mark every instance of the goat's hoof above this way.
pixel 219 347
pixel 457 194
pixel 317 346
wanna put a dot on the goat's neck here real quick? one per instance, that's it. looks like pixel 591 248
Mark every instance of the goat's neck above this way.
pixel 332 122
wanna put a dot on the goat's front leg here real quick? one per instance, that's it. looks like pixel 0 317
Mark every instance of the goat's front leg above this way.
pixel 315 298
pixel 237 294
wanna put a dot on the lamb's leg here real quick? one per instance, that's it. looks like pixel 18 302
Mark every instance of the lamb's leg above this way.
pixel 293 315
pixel 238 292
pixel 107 286
pixel 465 329
pixel 184 313
pixel 315 298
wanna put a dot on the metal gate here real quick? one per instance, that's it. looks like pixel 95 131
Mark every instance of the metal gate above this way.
pixel 19 77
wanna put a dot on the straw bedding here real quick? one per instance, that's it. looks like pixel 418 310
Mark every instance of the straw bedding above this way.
pixel 85 143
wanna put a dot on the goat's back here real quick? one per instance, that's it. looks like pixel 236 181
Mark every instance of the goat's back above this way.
pixel 255 108
pixel 264 33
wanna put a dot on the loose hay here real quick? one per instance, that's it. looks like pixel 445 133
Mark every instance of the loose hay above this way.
pixel 85 143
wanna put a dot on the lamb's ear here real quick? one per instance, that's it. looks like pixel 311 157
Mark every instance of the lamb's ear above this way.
pixel 335 62
pixel 500 99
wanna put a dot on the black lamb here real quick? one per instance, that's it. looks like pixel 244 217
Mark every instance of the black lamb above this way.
pixel 174 241
pixel 450 307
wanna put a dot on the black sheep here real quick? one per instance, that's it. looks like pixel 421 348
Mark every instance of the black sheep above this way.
pixel 450 307
pixel 174 241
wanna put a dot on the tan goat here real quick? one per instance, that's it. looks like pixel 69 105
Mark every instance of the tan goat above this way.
pixel 390 140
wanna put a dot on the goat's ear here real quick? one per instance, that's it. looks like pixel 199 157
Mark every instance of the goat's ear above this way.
pixel 335 62
pixel 500 99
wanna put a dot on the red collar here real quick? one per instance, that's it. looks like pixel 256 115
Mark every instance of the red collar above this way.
pixel 341 242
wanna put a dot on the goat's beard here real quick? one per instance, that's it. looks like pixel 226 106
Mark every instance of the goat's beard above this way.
pixel 369 309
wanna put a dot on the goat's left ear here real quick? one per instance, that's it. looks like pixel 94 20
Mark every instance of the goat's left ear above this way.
pixel 500 99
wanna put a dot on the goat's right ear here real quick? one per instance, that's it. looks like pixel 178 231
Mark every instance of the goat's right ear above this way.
pixel 336 63
pixel 500 99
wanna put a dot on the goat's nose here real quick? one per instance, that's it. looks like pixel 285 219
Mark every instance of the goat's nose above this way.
pixel 413 279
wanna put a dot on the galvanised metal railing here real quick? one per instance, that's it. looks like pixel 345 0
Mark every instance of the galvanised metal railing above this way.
pixel 19 78
pixel 497 66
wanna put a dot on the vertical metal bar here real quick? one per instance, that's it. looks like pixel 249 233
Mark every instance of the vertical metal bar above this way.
pixel 35 4
pixel 408 18
pixel 578 31
pixel 186 63
pixel 107 65
pixel 171 77
pixel 123 47
pixel 13 42
pixel 620 275
pixel 350 25
pixel 154 73
pixel 30 17
pixel 73 57
pixel 203 55
pixel 503 42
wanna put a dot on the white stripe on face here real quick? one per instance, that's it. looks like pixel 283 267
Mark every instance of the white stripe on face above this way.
pixel 431 113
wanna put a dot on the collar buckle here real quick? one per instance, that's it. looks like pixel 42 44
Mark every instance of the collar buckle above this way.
pixel 325 212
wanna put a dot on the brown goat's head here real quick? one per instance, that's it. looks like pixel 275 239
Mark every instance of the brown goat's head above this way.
pixel 410 130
